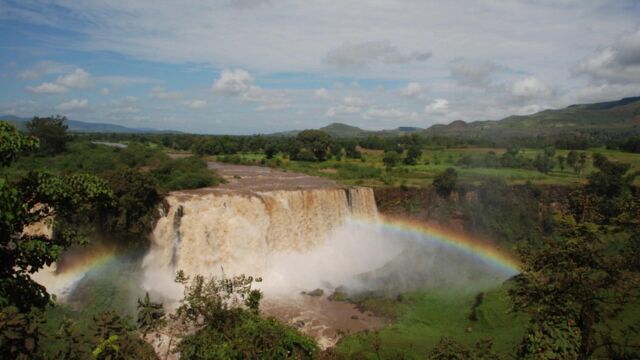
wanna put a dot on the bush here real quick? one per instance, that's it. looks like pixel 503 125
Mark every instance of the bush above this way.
pixel 445 182
pixel 186 173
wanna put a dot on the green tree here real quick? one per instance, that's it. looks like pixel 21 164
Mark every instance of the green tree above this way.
pixel 270 151
pixel 449 349
pixel 572 288
pixel 316 141
pixel 413 155
pixel 390 159
pixel 225 314
pixel 150 315
pixel 543 163
pixel 445 182
pixel 52 132
pixel 561 162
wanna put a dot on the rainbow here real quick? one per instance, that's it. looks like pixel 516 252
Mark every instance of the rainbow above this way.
pixel 60 278
pixel 476 248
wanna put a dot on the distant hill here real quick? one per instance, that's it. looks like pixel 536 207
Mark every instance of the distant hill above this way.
pixel 606 117
pixel 83 126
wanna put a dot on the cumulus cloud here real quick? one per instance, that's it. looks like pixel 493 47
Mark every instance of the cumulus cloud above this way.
pixel 321 93
pixel 472 74
pixel 44 68
pixel 77 79
pixel 357 55
pixel 48 88
pixel 438 106
pixel 240 83
pixel 617 63
pixel 160 92
pixel 73 104
pixel 233 82
pixel 196 104
pixel 530 87
pixel 413 90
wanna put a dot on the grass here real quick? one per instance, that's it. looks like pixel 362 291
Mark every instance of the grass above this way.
pixel 372 172
pixel 425 317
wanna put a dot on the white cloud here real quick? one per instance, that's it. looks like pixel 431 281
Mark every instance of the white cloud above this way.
pixel 413 90
pixel 73 104
pixel 437 106
pixel 391 113
pixel 356 55
pixel 321 93
pixel 352 101
pixel 342 110
pixel 196 104
pixel 472 74
pixel 44 68
pixel 104 91
pixel 77 79
pixel 617 63
pixel 233 82
pixel 125 105
pixel 247 4
pixel 530 87
pixel 160 92
pixel 121 81
pixel 48 88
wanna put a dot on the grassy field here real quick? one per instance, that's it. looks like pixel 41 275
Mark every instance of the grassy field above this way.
pixel 371 171
pixel 425 317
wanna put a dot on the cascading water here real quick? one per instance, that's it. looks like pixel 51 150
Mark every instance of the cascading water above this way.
pixel 249 233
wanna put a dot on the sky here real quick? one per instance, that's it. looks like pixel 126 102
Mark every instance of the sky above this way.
pixel 262 66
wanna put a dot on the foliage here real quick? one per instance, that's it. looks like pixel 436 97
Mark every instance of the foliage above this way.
pixel 136 198
pixel 225 314
pixel 449 349
pixel 150 315
pixel 577 281
pixel 52 132
pixel 390 159
pixel 552 340
pixel 632 145
pixel 413 155
pixel 315 141
pixel 19 333
pixel 185 173
pixel 446 182
pixel 13 143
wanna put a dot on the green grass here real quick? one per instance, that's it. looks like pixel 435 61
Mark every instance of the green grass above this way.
pixel 371 172
pixel 425 317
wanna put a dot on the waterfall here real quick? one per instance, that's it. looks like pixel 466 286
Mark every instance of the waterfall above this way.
pixel 204 233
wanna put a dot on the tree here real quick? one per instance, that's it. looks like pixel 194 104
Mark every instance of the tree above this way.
pixel 224 312
pixel 63 202
pixel 136 197
pixel 449 349
pixel 561 161
pixel 270 151
pixel 52 132
pixel 543 163
pixel 150 315
pixel 573 285
pixel 445 182
pixel 390 159
pixel 316 141
pixel 413 155
pixel 577 161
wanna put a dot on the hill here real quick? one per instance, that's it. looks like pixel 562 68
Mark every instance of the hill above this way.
pixel 83 126
pixel 622 116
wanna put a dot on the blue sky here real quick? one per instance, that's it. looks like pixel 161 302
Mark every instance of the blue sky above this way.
pixel 259 66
